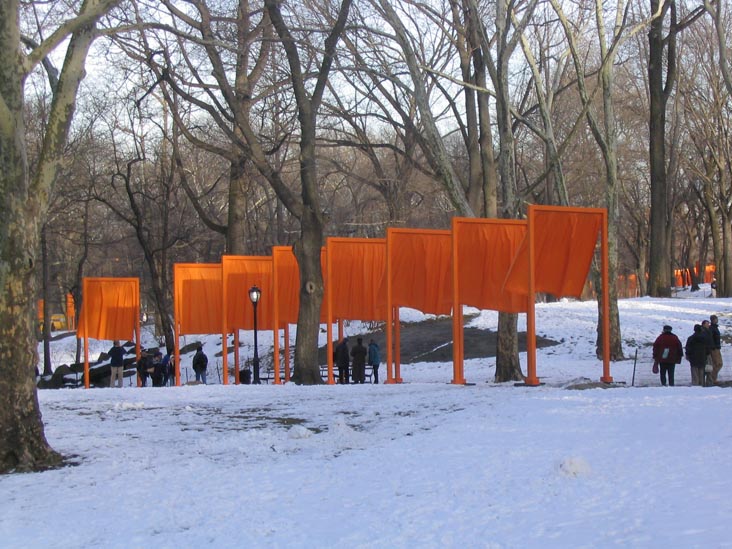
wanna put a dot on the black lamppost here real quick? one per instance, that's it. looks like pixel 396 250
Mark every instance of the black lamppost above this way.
pixel 254 295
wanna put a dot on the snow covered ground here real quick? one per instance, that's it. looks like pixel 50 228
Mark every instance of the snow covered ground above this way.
pixel 421 464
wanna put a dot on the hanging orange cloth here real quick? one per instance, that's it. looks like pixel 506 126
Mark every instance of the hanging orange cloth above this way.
pixel 239 274
pixel 197 298
pixel 357 268
pixel 565 244
pixel 110 308
pixel 484 250
pixel 419 263
pixel 287 276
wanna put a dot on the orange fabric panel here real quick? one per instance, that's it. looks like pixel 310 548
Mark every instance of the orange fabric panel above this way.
pixel 709 273
pixel 287 274
pixel 110 308
pixel 358 268
pixel 39 309
pixel 198 298
pixel 240 273
pixel 564 244
pixel 70 308
pixel 420 269
pixel 484 251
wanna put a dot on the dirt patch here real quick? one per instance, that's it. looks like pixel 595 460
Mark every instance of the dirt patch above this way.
pixel 431 341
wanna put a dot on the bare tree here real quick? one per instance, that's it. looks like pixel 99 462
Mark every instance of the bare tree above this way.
pixel 23 446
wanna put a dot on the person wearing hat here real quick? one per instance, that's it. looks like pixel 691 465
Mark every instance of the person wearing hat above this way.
pixel 667 353
pixel 697 349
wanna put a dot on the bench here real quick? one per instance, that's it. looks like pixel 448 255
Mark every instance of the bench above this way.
pixel 368 373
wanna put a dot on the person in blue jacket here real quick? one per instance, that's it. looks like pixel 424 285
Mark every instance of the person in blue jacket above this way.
pixel 374 359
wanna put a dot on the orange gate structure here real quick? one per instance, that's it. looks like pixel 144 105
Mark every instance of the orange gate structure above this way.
pixel 239 273
pixel 555 258
pixel 110 310
pixel 196 303
pixel 483 252
pixel 418 276
pixel 355 272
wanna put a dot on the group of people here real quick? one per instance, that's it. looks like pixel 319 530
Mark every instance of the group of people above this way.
pixel 703 350
pixel 153 365
pixel 357 359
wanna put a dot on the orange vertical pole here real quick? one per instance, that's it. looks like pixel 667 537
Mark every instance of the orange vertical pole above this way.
pixel 531 378
pixel 390 373
pixel 224 327
pixel 287 352
pixel 225 357
pixel 138 343
pixel 176 328
pixel 237 362
pixel 86 332
pixel 606 377
pixel 457 318
pixel 276 323
pixel 397 349
pixel 329 319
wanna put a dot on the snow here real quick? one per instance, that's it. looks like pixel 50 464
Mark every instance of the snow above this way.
pixel 420 464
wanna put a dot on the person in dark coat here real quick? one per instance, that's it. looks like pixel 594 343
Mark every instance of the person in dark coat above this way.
pixel 143 366
pixel 696 353
pixel 374 359
pixel 200 364
pixel 716 354
pixel 342 360
pixel 358 353
pixel 158 373
pixel 667 351
pixel 116 364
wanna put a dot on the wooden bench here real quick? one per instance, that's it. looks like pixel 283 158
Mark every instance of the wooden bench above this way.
pixel 368 373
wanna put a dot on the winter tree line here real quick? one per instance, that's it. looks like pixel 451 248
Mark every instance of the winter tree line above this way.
pixel 135 134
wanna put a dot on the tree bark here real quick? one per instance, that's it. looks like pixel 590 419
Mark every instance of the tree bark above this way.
pixel 23 445
pixel 659 268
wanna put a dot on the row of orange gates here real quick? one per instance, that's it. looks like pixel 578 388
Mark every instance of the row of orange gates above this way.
pixel 493 264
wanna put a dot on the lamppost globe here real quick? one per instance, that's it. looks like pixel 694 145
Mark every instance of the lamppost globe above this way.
pixel 254 295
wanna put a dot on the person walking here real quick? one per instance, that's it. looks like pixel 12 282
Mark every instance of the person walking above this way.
pixel 342 360
pixel 667 353
pixel 716 354
pixel 200 364
pixel 374 359
pixel 696 354
pixel 358 353
pixel 116 364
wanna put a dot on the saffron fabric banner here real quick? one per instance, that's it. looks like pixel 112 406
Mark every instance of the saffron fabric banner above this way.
pixel 197 298
pixel 110 308
pixel 419 267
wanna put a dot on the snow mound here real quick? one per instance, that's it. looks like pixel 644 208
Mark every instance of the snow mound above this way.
pixel 574 467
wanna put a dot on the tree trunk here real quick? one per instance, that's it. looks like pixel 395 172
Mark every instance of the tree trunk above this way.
pixel 23 445
pixel 508 367
pixel 236 233
pixel 659 283
pixel 308 251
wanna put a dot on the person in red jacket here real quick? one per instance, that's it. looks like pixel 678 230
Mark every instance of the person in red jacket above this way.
pixel 667 352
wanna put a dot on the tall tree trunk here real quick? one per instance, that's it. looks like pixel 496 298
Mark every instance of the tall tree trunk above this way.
pixel 24 202
pixel 659 275
pixel 236 233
